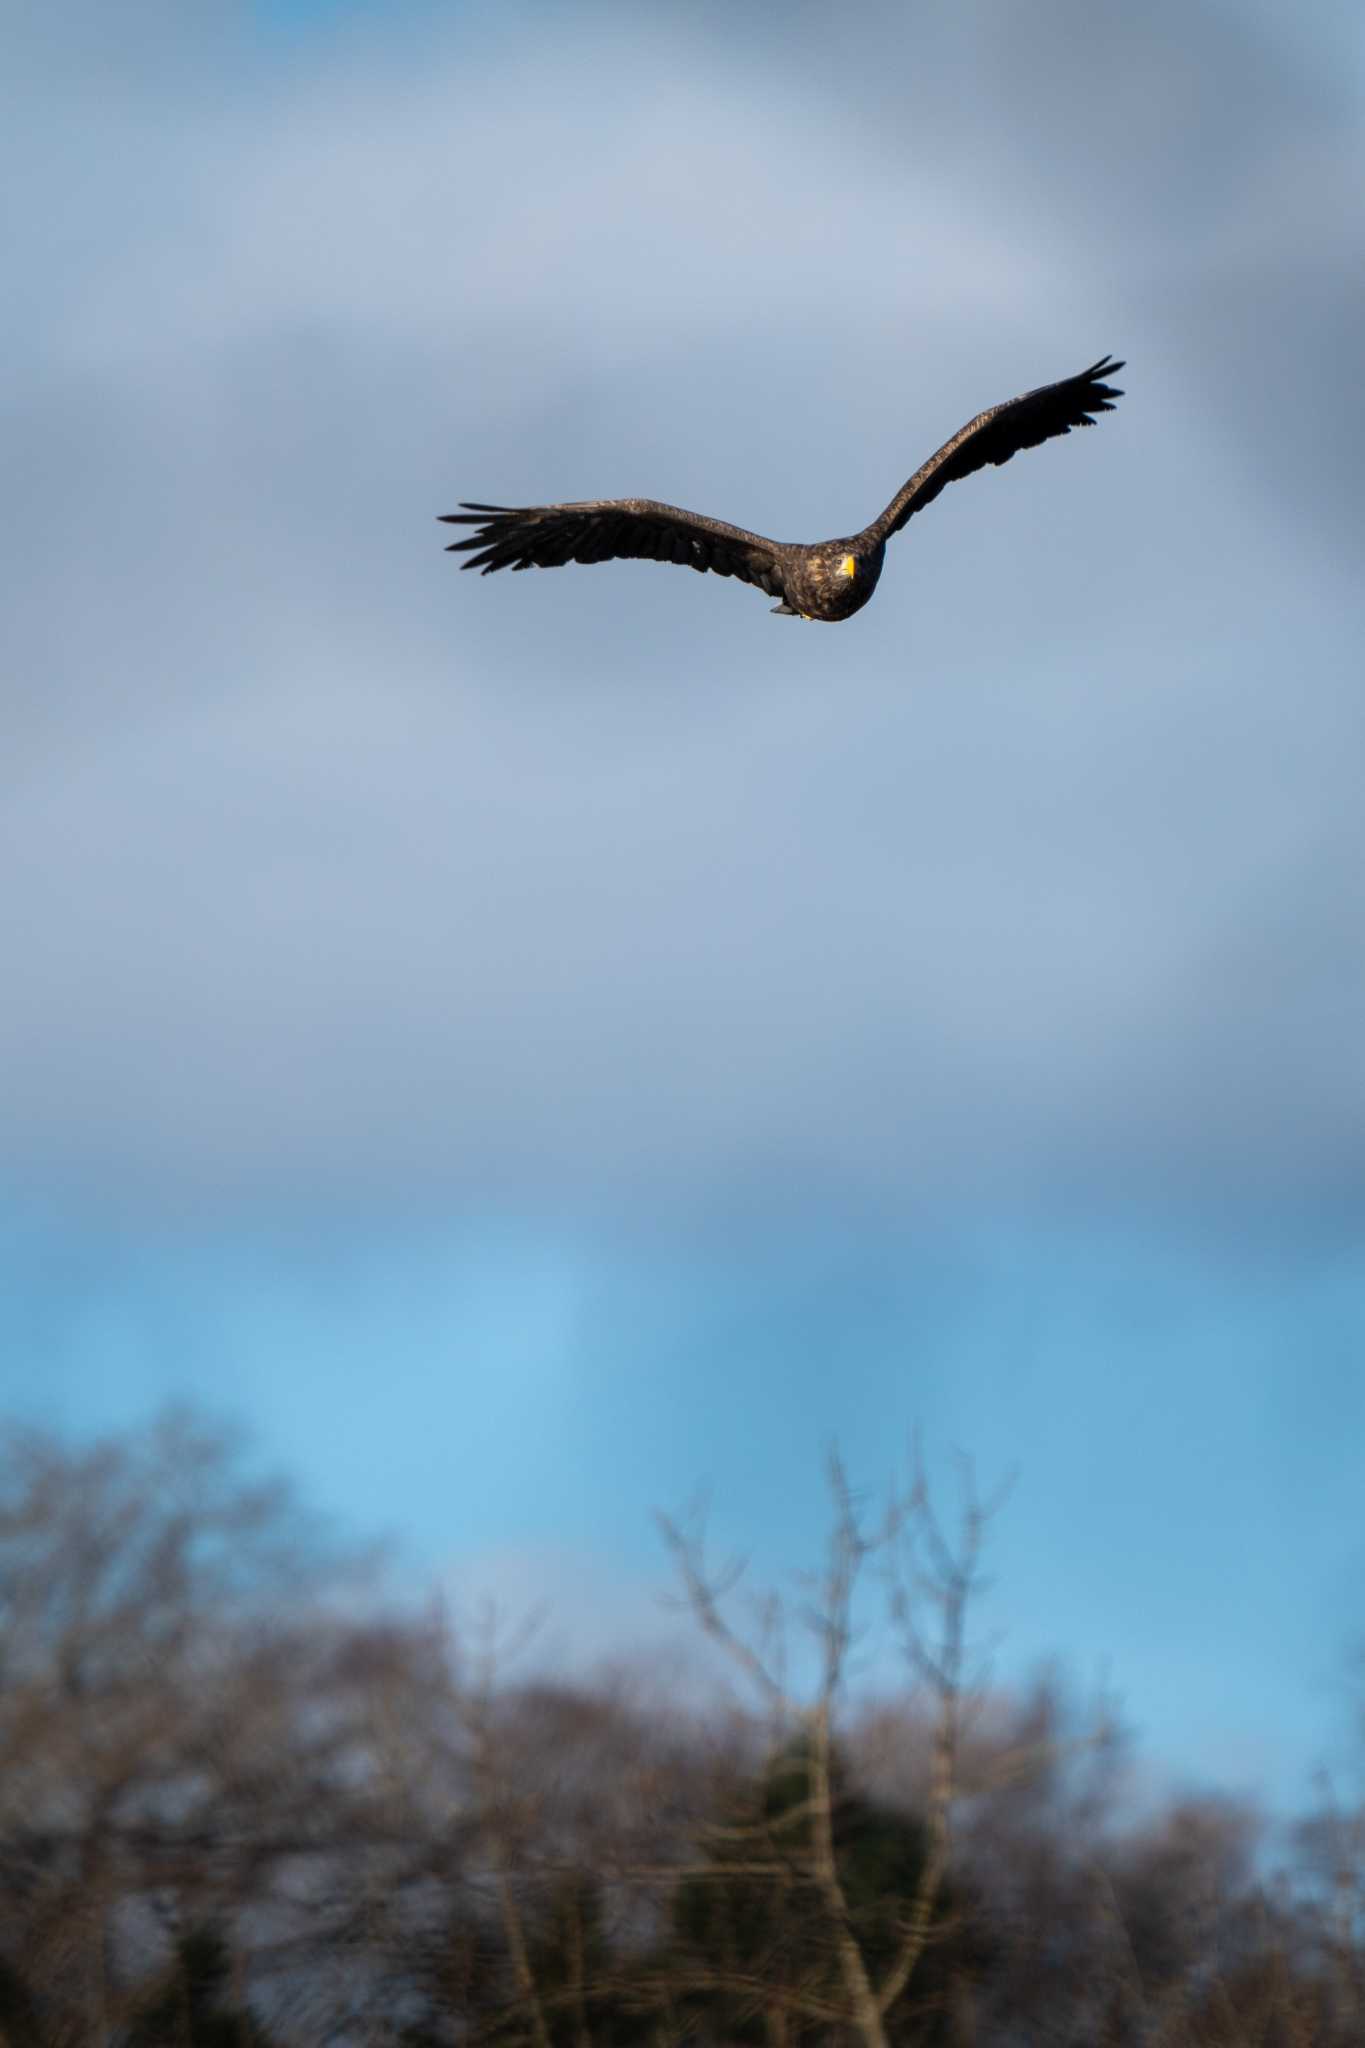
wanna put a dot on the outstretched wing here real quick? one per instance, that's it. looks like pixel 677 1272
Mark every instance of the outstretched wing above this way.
pixel 996 435
pixel 547 536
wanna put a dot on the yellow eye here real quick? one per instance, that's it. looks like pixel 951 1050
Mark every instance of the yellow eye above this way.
pixel 849 566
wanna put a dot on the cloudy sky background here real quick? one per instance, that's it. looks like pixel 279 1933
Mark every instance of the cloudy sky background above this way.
pixel 529 1046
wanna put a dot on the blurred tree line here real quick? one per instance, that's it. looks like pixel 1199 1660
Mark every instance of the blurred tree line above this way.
pixel 245 1802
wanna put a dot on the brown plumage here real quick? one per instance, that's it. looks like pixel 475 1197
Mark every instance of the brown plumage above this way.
pixel 824 580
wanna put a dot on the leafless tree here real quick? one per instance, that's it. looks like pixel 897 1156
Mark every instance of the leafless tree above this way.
pixel 189 1692
pixel 929 1578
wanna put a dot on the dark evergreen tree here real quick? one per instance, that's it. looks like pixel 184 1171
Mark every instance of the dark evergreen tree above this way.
pixel 20 2026
pixel 193 2005
pixel 758 1924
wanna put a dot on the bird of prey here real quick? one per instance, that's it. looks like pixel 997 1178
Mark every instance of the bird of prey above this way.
pixel 828 579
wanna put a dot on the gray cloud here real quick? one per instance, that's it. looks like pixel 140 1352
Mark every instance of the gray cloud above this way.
pixel 324 867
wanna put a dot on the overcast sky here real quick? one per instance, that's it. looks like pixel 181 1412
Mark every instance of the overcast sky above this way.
pixel 528 1044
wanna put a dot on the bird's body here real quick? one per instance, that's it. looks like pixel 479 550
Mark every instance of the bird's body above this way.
pixel 827 580
pixel 833 580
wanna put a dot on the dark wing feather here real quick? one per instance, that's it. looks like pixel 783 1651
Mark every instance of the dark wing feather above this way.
pixel 604 529
pixel 996 435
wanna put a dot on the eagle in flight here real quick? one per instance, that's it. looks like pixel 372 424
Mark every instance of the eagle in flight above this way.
pixel 828 579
